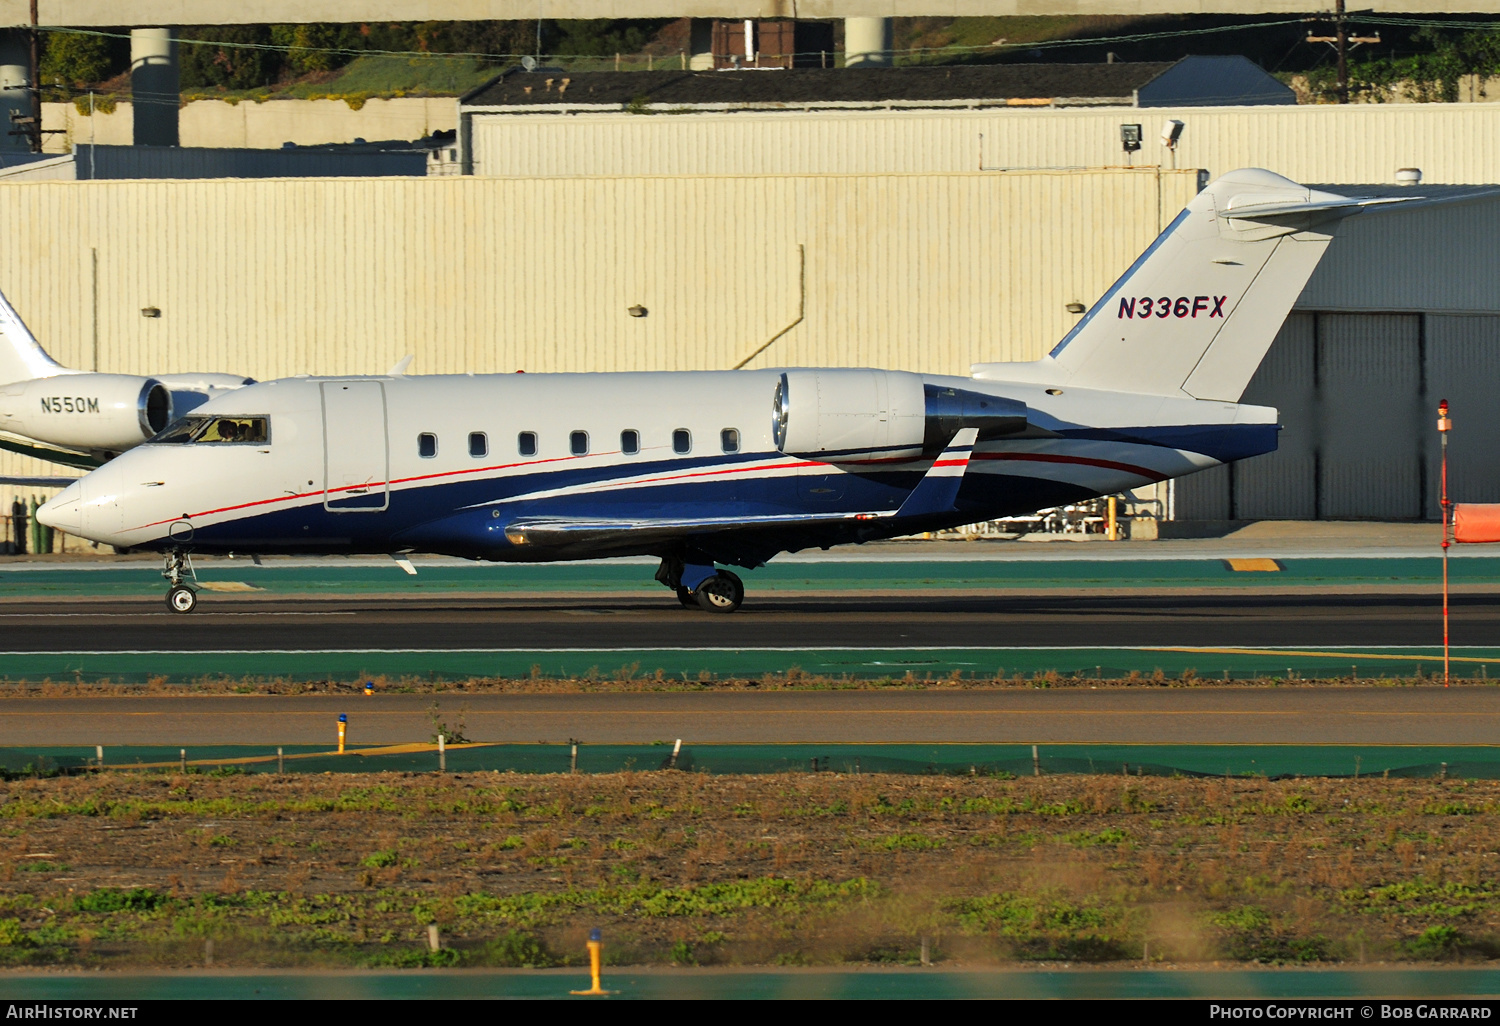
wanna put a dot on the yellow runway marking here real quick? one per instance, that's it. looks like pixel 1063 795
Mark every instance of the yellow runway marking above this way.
pixel 1253 564
pixel 1436 658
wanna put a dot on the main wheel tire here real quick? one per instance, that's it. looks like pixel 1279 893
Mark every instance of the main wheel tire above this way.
pixel 721 593
pixel 182 599
pixel 687 598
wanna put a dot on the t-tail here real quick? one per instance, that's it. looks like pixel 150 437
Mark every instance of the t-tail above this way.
pixel 21 355
pixel 82 418
pixel 1196 312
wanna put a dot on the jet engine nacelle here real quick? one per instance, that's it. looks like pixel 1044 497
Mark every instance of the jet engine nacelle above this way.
pixel 849 415
pixel 860 415
pixel 97 412
pixel 190 391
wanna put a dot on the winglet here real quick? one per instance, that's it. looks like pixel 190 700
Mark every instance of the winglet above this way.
pixel 402 365
pixel 938 490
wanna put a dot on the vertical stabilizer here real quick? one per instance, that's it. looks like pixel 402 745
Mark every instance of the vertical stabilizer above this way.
pixel 1197 311
pixel 21 356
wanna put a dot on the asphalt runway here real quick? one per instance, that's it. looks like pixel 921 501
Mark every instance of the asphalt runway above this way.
pixel 1076 618
pixel 1366 716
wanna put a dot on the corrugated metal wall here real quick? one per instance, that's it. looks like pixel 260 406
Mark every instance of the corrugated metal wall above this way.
pixel 1358 396
pixel 1438 257
pixel 1451 143
pixel 271 278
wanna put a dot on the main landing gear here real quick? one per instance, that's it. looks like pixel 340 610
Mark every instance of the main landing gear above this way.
pixel 177 568
pixel 699 585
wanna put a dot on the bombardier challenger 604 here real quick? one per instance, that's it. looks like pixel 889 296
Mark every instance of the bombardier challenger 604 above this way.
pixel 712 469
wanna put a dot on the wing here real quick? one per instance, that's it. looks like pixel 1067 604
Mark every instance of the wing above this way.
pixel 52 454
pixel 548 532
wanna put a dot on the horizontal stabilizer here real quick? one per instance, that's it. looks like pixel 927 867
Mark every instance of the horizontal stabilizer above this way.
pixel 1340 206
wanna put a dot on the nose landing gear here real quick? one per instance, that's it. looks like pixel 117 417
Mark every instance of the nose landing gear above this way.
pixel 701 586
pixel 177 568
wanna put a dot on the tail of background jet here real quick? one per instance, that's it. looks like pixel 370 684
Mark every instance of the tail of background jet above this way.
pixel 1197 311
pixel 21 356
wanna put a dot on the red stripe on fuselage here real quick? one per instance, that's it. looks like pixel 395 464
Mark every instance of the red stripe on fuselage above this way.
pixel 459 473
pixel 1085 461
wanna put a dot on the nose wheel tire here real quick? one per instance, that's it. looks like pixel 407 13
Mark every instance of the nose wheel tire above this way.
pixel 721 593
pixel 182 599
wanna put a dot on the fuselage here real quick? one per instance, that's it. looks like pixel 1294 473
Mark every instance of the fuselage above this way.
pixel 448 464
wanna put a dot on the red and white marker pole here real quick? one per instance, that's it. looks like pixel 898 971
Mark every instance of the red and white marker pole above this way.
pixel 1444 425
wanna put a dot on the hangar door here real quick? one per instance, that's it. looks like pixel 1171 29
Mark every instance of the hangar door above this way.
pixel 1357 395
pixel 356 454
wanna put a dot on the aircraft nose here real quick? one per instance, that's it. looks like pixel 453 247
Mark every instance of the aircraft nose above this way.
pixel 64 510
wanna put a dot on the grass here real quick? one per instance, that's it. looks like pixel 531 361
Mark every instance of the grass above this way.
pixel 633 679
pixel 792 869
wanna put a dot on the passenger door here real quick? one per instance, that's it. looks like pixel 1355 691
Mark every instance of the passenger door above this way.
pixel 356 452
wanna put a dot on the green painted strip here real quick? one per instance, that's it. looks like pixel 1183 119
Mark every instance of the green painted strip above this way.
pixel 631 982
pixel 1459 761
pixel 340 578
pixel 689 664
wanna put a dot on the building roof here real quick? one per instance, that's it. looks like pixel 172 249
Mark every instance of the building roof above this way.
pixel 1219 80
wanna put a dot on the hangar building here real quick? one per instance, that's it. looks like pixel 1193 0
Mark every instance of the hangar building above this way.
pixel 878 238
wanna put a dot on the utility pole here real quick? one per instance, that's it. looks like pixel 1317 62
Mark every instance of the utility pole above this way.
pixel 29 125
pixel 1342 42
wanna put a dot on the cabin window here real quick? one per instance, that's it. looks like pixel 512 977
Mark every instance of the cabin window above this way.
pixel 578 443
pixel 630 442
pixel 682 441
pixel 427 445
pixel 729 439
pixel 241 430
pixel 479 444
pixel 526 443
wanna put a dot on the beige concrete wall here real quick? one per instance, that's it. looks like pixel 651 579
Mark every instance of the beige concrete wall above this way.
pixel 325 276
pixel 1451 143
pixel 224 12
pixel 261 125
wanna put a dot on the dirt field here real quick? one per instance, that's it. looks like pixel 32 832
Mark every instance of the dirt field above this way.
pixel 136 869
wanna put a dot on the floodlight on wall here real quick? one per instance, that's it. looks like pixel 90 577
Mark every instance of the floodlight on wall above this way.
pixel 637 311
pixel 1130 138
pixel 150 311
pixel 1074 308
pixel 1171 132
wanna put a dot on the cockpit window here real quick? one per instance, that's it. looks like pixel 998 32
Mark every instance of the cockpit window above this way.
pixel 181 430
pixel 220 430
pixel 251 430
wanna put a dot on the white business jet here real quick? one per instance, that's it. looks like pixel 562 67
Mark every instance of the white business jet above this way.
pixel 703 469
pixel 81 418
